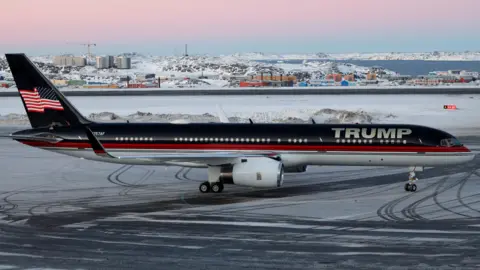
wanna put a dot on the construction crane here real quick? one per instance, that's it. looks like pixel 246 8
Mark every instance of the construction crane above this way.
pixel 89 55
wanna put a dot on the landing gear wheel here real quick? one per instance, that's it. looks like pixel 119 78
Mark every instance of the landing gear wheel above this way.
pixel 204 187
pixel 217 187
pixel 413 188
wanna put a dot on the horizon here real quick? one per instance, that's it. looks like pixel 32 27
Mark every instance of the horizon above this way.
pixel 217 27
pixel 84 53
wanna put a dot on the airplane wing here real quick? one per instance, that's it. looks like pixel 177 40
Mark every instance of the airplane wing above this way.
pixel 221 114
pixel 211 158
pixel 223 117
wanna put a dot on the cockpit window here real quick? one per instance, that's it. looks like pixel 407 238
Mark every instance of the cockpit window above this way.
pixel 47 135
pixel 450 142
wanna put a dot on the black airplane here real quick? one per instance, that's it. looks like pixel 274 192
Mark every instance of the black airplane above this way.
pixel 253 154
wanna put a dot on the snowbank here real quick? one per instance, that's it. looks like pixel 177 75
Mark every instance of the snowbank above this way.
pixel 413 109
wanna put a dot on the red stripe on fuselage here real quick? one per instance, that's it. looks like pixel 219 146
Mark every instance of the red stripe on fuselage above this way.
pixel 272 147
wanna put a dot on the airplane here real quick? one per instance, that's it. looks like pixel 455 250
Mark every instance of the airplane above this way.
pixel 245 154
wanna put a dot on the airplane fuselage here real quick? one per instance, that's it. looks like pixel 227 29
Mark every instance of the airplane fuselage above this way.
pixel 296 144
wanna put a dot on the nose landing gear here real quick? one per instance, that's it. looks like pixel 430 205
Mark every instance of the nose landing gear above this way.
pixel 410 186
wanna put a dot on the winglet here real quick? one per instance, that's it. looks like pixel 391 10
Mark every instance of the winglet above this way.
pixel 96 145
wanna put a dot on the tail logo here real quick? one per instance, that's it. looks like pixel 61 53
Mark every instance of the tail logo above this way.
pixel 39 99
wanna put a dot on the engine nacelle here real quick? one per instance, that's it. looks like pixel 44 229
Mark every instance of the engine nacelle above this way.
pixel 296 169
pixel 253 172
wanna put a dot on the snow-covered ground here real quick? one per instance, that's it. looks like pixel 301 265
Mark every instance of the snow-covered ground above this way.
pixel 414 109
pixel 217 71
pixel 427 56
pixel 207 70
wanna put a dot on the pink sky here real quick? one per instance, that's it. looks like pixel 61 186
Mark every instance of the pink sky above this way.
pixel 37 22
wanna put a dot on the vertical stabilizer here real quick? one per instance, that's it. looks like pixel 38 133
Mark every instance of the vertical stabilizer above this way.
pixel 44 103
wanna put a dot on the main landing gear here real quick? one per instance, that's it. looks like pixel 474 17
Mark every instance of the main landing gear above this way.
pixel 410 186
pixel 206 187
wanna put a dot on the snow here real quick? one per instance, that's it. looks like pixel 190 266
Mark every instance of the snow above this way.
pixel 426 56
pixel 413 109
pixel 210 70
pixel 215 71
pixel 217 85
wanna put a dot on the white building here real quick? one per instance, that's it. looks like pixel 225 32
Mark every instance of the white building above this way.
pixel 102 62
pixel 70 61
pixel 123 62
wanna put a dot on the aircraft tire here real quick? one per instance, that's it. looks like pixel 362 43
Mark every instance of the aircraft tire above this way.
pixel 217 187
pixel 204 187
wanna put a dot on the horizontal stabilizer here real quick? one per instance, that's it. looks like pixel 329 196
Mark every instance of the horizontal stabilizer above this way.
pixel 33 138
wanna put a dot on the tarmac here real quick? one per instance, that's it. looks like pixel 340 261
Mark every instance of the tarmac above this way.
pixel 59 212
pixel 459 89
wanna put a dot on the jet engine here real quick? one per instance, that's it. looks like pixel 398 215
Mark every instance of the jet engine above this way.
pixel 252 172
pixel 296 169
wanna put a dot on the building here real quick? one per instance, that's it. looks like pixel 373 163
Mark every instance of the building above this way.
pixel 327 82
pixel 5 84
pixel 268 77
pixel 454 72
pixel 123 62
pixel 397 77
pixel 145 77
pixel 335 77
pixel 76 82
pixel 59 82
pixel 349 77
pixel 102 62
pixel 253 84
pixel 70 61
pixel 111 60
pixel 105 62
pixel 103 86
pixel 371 76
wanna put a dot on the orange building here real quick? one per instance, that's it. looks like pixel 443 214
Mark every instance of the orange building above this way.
pixel 267 77
pixel 253 84
pixel 371 76
pixel 335 77
pixel 349 77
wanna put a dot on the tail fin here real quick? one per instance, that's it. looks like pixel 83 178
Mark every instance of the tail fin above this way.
pixel 45 105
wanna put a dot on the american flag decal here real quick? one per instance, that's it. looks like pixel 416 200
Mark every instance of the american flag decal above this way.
pixel 39 99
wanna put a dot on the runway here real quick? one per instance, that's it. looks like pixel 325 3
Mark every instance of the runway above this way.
pixel 59 212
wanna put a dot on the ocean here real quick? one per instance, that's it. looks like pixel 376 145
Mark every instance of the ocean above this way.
pixel 404 67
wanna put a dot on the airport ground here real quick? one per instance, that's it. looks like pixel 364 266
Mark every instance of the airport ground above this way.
pixel 66 213
pixel 468 89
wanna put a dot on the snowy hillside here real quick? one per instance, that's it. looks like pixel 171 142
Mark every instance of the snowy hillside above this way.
pixel 426 56
pixel 212 70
